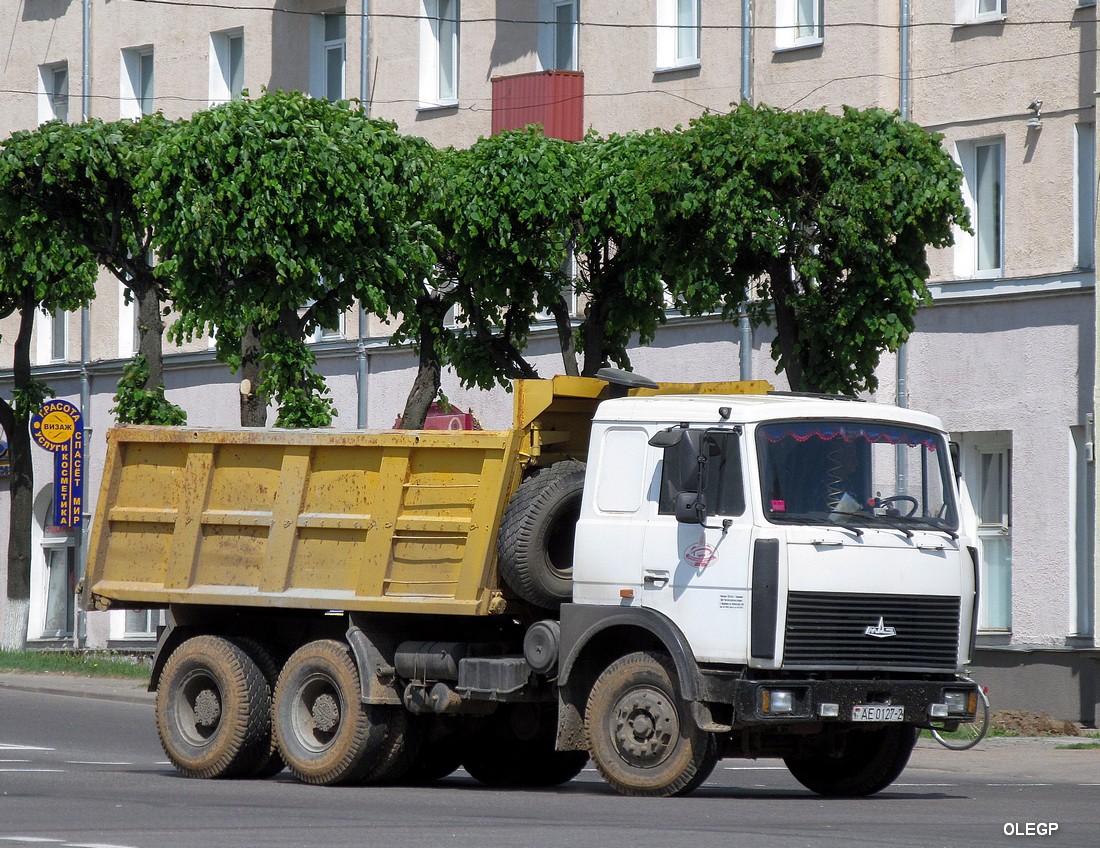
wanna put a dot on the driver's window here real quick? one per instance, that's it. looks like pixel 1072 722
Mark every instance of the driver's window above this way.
pixel 724 489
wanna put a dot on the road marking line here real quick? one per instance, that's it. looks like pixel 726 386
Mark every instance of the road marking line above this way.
pixel 755 768
pixel 1019 784
pixel 14 761
pixel 29 839
pixel 5 746
pixel 924 784
pixel 95 845
pixel 25 770
pixel 95 763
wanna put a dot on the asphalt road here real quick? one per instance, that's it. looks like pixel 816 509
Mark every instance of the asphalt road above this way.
pixel 89 773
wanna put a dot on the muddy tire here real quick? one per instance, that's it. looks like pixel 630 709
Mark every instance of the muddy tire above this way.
pixel 870 761
pixel 399 748
pixel 269 763
pixel 641 735
pixel 516 748
pixel 324 734
pixel 535 542
pixel 213 709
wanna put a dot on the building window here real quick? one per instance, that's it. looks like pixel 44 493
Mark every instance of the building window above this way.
pixel 439 44
pixel 558 35
pixel 677 33
pixel 53 575
pixel 981 254
pixel 53 337
pixel 129 333
pixel 328 54
pixel 226 66
pixel 1085 195
pixel 53 95
pixel 979 11
pixel 799 23
pixel 136 83
pixel 994 506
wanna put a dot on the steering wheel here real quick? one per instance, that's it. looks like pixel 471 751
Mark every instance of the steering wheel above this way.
pixel 909 499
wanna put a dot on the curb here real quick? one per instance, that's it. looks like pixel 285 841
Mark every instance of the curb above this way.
pixel 105 689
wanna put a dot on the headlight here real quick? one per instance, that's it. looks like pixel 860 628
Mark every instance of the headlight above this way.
pixel 778 701
pixel 957 702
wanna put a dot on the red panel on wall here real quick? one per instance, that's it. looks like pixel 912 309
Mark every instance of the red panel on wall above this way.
pixel 554 99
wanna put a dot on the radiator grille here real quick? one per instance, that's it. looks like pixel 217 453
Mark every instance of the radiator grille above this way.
pixel 830 630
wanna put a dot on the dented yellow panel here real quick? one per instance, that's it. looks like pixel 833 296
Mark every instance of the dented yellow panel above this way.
pixel 394 521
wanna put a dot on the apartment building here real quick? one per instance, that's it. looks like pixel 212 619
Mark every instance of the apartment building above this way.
pixel 1006 354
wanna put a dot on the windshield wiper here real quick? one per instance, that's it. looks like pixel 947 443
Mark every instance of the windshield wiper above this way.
pixel 814 522
pixel 933 524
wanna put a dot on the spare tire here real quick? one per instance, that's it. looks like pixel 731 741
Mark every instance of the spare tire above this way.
pixel 535 543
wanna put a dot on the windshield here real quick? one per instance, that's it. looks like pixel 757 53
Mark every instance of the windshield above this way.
pixel 855 472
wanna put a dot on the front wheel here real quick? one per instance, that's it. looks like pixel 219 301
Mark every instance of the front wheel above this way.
pixel 641 735
pixel 867 762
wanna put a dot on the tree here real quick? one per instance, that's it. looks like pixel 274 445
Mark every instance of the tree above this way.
pixel 83 176
pixel 39 269
pixel 830 216
pixel 271 217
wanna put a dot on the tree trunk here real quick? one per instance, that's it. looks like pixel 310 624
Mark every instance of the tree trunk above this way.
pixel 253 404
pixel 786 324
pixel 20 515
pixel 150 329
pixel 429 373
pixel 565 338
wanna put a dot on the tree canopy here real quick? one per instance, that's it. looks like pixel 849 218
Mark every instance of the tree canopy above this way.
pixel 83 178
pixel 829 216
pixel 271 217
pixel 40 269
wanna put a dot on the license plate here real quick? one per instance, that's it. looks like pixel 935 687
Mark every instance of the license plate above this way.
pixel 877 712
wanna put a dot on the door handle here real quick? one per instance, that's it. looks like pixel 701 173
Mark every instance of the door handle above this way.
pixel 656 579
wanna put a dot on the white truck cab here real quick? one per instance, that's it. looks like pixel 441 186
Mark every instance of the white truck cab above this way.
pixel 806 563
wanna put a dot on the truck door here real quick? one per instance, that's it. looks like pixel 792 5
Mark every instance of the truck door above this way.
pixel 698 575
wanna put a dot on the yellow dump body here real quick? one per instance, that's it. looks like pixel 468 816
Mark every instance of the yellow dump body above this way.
pixel 396 521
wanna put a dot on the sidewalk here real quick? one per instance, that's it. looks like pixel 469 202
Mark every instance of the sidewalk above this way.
pixel 100 688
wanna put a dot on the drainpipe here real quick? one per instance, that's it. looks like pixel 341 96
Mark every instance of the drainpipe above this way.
pixel 361 360
pixel 1095 399
pixel 80 638
pixel 903 351
pixel 746 97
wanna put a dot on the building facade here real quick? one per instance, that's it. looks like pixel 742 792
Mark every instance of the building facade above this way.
pixel 1005 354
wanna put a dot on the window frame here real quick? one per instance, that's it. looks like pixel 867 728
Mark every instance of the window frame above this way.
pixel 969 12
pixel 968 247
pixel 432 35
pixel 1084 194
pixel 49 98
pixel 549 42
pixel 788 25
pixel 223 87
pixel 134 100
pixel 670 27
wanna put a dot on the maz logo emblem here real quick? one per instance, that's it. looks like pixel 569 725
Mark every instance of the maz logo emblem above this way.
pixel 880 630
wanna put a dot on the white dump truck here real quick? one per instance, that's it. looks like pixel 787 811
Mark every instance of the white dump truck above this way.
pixel 653 576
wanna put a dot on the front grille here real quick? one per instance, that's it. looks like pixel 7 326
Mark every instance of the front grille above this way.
pixel 829 630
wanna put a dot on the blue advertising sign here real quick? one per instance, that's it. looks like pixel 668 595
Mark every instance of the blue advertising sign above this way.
pixel 58 426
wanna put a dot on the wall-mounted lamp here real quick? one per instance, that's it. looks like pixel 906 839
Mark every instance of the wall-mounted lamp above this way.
pixel 1036 119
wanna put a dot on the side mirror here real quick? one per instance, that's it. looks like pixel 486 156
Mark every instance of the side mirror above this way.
pixel 955 450
pixel 691 508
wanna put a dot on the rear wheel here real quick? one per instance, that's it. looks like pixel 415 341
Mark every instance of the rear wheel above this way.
pixel 641 734
pixel 213 710
pixel 324 734
pixel 868 762
pixel 269 764
pixel 516 748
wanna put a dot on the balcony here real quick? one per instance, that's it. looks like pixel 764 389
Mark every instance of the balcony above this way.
pixel 554 99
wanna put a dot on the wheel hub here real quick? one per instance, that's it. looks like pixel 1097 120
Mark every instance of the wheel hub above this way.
pixel 208 708
pixel 646 728
pixel 325 712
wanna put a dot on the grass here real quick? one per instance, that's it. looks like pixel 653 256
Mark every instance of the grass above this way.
pixel 78 663
pixel 1078 746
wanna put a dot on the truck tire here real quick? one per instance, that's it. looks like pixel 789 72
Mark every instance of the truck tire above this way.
pixel 213 711
pixel 516 748
pixel 324 734
pixel 399 748
pixel 641 734
pixel 270 763
pixel 871 761
pixel 535 542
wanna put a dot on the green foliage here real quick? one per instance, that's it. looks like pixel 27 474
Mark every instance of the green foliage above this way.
pixel 82 663
pixel 276 214
pixel 28 398
pixel 135 404
pixel 849 203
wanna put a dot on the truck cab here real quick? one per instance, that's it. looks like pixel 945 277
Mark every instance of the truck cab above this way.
pixel 806 565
